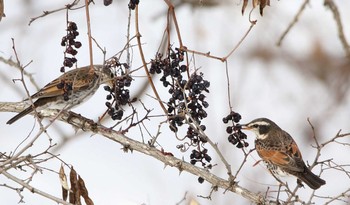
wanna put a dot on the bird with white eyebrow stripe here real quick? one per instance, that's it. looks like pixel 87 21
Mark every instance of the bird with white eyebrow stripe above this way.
pixel 280 152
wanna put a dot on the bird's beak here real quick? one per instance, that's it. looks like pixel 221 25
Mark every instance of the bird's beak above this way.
pixel 245 127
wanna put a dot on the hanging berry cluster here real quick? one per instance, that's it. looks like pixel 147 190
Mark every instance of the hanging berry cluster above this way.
pixel 70 44
pixel 187 103
pixel 119 94
pixel 236 136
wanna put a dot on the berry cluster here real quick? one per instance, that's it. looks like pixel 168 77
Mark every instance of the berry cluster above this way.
pixel 68 41
pixel 132 4
pixel 200 156
pixel 236 136
pixel 119 94
pixel 66 87
pixel 187 103
pixel 196 86
pixel 188 95
pixel 71 45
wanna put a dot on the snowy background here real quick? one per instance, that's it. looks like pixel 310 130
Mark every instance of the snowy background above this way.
pixel 307 77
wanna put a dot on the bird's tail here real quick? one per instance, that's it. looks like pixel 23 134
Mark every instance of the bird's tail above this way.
pixel 20 115
pixel 312 180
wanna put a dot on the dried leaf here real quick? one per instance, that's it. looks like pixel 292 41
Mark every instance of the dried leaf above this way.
pixel 64 183
pixel 255 3
pixel 64 194
pixel 2 14
pixel 71 198
pixel 194 202
pixel 84 192
pixel 263 3
pixel 74 196
pixel 245 3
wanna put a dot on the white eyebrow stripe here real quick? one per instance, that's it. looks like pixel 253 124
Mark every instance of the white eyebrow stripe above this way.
pixel 260 123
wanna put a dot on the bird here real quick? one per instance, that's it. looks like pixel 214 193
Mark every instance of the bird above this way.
pixel 280 152
pixel 68 90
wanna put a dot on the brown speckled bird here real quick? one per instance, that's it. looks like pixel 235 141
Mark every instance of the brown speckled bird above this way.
pixel 280 152
pixel 68 90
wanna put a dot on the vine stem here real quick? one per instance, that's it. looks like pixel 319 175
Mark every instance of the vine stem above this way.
pixel 144 63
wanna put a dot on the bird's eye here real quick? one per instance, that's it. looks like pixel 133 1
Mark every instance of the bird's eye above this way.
pixel 255 126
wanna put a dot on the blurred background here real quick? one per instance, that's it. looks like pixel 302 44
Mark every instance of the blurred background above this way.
pixel 307 76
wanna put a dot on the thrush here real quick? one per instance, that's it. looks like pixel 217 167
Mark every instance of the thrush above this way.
pixel 70 89
pixel 280 152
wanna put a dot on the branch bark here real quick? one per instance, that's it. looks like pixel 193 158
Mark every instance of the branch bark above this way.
pixel 129 144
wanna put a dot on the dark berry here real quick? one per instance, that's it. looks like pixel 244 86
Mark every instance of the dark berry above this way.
pixel 229 130
pixel 73 59
pixel 65 96
pixel 67 62
pixel 69 86
pixel 183 68
pixel 236 117
pixel 201 97
pixel 77 44
pixel 200 180
pixel 62 69
pixel 69 49
pixel 207 157
pixel 107 2
pixel 75 33
pixel 170 109
pixel 72 26
pixel 232 139
pixel 63 41
pixel 60 85
pixel 239 145
pixel 108 104
pixel 71 41
pixel 127 83
pixel 205 104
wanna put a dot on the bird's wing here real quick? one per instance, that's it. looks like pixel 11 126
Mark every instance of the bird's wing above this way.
pixel 73 77
pixel 287 157
pixel 49 90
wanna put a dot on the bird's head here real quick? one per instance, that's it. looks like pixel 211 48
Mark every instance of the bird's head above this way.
pixel 261 127
pixel 106 75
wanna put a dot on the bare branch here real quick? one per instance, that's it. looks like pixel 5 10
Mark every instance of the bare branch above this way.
pixel 331 5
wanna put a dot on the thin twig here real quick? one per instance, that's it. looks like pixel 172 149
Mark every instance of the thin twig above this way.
pixel 331 5
pixel 295 20
pixel 138 37
pixel 87 13
pixel 33 189
pixel 252 24
pixel 45 13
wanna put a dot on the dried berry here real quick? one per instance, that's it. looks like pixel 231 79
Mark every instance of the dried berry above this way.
pixel 236 136
pixel 200 180
pixel 120 96
pixel 77 44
